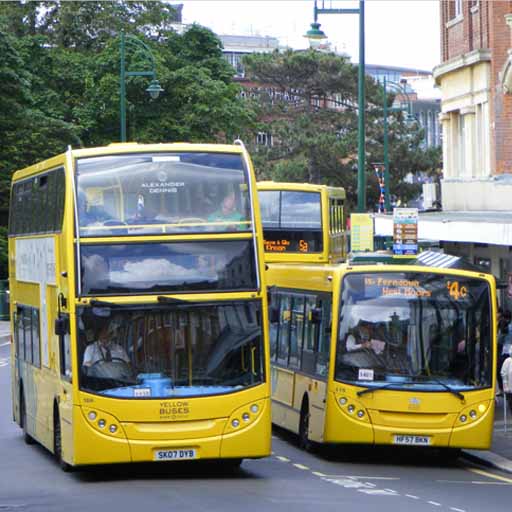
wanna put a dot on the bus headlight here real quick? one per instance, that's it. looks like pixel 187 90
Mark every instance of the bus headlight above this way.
pixel 343 401
pixel 235 423
pixel 246 417
pixel 360 413
pixel 351 408
pixel 92 415
pixel 472 414
pixel 113 428
pixel 102 423
pixel 254 408
pixel 463 418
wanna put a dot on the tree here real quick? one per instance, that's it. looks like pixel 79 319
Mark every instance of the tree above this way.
pixel 308 102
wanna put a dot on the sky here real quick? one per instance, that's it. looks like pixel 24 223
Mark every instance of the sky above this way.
pixel 397 32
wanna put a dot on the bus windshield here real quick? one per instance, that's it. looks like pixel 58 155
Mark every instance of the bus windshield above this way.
pixel 292 221
pixel 177 350
pixel 155 193
pixel 415 330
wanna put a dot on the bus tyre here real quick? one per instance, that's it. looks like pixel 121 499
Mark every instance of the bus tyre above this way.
pixel 23 421
pixel 304 441
pixel 57 444
pixel 232 464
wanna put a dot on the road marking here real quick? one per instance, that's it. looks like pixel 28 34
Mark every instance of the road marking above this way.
pixel 490 475
pixel 471 482
pixel 364 477
pixel 317 473
pixel 434 503
pixel 412 496
pixel 5 344
pixel 283 459
pixel 379 492
pixel 301 466
pixel 457 509
pixel 4 362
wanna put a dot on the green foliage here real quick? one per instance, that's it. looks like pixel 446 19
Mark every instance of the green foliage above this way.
pixel 59 80
pixel 308 102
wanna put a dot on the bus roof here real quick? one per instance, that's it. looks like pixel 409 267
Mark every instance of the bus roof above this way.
pixel 303 187
pixel 432 259
pixel 124 147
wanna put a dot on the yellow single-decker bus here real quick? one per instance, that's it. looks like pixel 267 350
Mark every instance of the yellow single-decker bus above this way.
pixel 384 352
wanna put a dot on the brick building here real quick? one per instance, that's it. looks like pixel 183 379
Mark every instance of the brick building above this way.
pixel 475 80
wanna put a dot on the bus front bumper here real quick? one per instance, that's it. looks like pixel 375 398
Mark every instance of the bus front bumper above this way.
pixel 142 442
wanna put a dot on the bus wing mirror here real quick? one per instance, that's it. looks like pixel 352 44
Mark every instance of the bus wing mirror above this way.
pixel 315 316
pixel 61 325
pixel 274 315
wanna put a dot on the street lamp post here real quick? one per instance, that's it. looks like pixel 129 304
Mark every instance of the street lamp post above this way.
pixel 315 35
pixel 403 91
pixel 154 88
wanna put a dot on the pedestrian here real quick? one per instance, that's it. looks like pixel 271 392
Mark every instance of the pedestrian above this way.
pixel 506 375
pixel 504 342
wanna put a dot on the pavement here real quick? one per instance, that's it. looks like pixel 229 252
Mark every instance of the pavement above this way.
pixel 499 456
pixel 5 332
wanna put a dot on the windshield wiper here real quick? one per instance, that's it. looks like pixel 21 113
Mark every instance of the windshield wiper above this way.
pixel 458 394
pixel 170 300
pixel 378 388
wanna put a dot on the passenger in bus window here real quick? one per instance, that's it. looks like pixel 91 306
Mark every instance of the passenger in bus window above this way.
pixel 227 210
pixel 90 215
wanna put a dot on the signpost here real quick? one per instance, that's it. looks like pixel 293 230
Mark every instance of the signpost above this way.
pixel 405 231
pixel 361 232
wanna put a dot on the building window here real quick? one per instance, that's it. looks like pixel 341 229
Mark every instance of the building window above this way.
pixel 458 8
pixel 264 139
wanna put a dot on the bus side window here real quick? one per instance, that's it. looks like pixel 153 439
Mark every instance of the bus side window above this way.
pixel 283 347
pixel 296 331
pixel 309 353
pixel 274 324
pixel 65 349
pixel 324 339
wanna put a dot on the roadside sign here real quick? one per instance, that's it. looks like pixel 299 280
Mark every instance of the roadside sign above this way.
pixel 405 231
pixel 361 232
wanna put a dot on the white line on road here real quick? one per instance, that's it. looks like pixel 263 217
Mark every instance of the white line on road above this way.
pixel 364 477
pixel 301 466
pixel 317 473
pixel 412 496
pixel 434 503
pixel 457 509
pixel 283 459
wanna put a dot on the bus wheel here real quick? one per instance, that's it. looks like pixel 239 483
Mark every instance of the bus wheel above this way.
pixel 23 420
pixel 304 441
pixel 57 443
pixel 231 464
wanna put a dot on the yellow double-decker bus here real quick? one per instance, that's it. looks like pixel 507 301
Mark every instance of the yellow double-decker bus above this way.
pixel 137 305
pixel 378 351
pixel 302 222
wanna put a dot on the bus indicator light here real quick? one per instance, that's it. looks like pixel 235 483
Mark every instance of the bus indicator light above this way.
pixel 102 423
